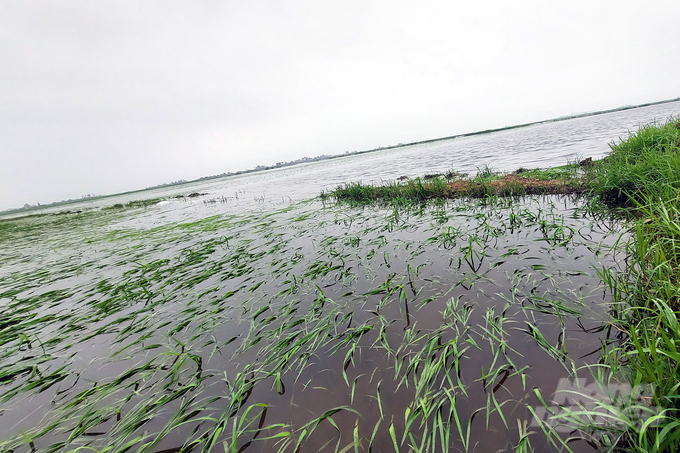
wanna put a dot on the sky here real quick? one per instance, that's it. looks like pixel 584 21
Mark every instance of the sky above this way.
pixel 109 96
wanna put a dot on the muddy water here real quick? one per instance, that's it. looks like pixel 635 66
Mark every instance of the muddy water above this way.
pixel 117 333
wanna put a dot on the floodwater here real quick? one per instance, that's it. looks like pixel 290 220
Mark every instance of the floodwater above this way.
pixel 388 321
pixel 257 326
pixel 542 145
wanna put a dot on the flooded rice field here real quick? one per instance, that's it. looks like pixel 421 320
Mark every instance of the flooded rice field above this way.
pixel 254 318
pixel 311 328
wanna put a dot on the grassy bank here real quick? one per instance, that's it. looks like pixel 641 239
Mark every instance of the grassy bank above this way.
pixel 639 181
pixel 568 179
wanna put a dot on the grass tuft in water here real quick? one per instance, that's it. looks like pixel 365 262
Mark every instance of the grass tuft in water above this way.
pixel 486 184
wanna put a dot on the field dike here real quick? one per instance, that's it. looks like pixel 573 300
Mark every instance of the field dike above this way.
pixel 542 323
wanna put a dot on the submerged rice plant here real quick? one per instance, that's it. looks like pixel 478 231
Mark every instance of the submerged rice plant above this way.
pixel 306 329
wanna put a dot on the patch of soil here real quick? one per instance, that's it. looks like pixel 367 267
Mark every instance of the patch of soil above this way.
pixel 515 185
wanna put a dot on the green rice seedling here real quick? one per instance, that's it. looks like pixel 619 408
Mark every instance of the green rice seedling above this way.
pixel 243 425
pixel 524 443
pixel 200 326
pixel 556 352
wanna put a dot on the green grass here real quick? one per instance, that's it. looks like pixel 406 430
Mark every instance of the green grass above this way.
pixel 645 164
pixel 566 172
pixel 135 204
pixel 400 194
pixel 487 183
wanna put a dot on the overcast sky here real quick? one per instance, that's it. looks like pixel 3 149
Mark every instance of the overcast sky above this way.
pixel 109 96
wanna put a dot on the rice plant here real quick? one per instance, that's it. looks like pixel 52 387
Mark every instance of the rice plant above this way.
pixel 311 328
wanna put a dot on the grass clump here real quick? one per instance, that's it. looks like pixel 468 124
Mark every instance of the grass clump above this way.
pixel 645 164
pixel 414 190
pixel 565 172
pixel 486 183
pixel 135 204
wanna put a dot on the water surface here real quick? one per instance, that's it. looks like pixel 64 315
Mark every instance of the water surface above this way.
pixel 541 145
pixel 261 322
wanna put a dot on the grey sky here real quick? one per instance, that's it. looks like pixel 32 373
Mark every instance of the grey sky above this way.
pixel 108 96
